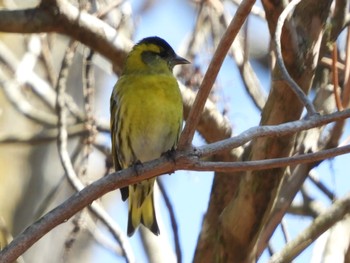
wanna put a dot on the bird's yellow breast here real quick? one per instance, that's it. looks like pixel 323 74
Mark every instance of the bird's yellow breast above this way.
pixel 154 105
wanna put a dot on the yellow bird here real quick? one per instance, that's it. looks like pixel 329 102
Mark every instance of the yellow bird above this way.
pixel 146 120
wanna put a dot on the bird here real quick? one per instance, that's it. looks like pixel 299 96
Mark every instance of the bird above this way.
pixel 146 120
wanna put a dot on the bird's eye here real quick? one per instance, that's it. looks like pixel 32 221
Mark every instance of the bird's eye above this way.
pixel 148 56
pixel 163 54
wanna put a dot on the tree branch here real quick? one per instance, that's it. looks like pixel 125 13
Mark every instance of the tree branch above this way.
pixel 114 181
pixel 184 160
pixel 268 163
pixel 294 86
pixel 62 17
pixel 271 131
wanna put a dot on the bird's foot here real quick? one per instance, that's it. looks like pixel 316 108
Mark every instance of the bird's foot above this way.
pixel 137 166
pixel 170 155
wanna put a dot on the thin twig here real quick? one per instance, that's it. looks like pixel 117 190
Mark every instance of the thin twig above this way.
pixel 309 204
pixel 277 39
pixel 250 80
pixel 335 77
pixel 271 130
pixel 211 74
pixel 321 186
pixel 270 249
pixel 88 88
pixel 62 137
pixel 190 52
pixel 267 163
pixel 285 231
pixel 172 220
pixel 338 128
pixel 77 222
pixel 46 56
pixel 88 92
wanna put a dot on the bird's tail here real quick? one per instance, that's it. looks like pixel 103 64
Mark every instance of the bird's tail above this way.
pixel 141 207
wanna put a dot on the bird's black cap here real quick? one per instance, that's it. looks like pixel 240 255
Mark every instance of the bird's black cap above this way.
pixel 157 41
pixel 166 50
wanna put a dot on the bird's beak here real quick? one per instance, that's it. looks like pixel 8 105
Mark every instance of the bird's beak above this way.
pixel 177 60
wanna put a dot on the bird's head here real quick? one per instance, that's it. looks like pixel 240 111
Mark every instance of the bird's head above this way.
pixel 152 54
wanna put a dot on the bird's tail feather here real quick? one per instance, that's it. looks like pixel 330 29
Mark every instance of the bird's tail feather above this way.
pixel 141 208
